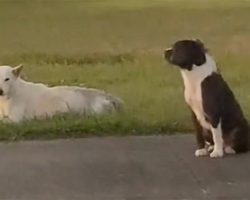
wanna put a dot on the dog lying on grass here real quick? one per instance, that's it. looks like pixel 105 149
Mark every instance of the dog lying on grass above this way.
pixel 217 116
pixel 21 100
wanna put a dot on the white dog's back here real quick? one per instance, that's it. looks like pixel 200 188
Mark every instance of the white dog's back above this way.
pixel 42 101
pixel 76 100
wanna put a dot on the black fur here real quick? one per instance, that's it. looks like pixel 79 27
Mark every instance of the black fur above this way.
pixel 199 132
pixel 186 53
pixel 202 134
pixel 219 103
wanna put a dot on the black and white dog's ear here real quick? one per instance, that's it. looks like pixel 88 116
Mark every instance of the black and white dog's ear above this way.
pixel 199 57
pixel 198 41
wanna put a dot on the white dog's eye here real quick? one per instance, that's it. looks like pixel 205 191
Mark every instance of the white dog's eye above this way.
pixel 6 79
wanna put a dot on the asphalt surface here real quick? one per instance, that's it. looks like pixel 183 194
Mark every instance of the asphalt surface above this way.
pixel 125 168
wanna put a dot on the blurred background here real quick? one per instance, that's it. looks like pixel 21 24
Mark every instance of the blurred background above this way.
pixel 117 46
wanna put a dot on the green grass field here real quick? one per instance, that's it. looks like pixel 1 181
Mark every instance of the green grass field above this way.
pixel 117 46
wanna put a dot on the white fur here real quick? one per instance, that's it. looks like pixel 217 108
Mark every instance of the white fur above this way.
pixel 218 142
pixel 3 108
pixel 201 152
pixel 192 82
pixel 210 148
pixel 229 150
pixel 24 100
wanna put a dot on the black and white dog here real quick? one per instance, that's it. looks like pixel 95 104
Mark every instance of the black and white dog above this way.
pixel 218 119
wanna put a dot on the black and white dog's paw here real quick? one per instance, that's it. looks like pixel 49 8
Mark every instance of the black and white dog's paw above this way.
pixel 210 148
pixel 229 150
pixel 201 152
pixel 216 153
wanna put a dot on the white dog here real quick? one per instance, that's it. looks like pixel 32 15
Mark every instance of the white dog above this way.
pixel 22 100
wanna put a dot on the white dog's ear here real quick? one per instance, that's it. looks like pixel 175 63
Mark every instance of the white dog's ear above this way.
pixel 17 70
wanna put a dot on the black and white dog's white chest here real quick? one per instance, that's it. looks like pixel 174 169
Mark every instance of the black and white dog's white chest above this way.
pixel 193 97
pixel 194 89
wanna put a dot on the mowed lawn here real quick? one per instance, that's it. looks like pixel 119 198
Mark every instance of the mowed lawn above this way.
pixel 117 46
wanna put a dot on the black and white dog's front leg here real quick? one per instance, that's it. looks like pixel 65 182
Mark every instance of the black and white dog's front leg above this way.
pixel 213 105
pixel 218 140
pixel 202 150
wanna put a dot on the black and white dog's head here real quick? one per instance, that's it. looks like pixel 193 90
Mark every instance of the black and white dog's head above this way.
pixel 186 54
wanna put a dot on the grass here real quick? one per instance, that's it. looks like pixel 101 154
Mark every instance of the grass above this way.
pixel 117 46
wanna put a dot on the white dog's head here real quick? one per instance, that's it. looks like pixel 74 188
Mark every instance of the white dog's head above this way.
pixel 8 77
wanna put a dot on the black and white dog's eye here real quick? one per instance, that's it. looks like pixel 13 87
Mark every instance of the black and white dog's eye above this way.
pixel 6 79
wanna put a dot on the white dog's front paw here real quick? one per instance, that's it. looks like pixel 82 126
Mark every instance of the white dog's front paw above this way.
pixel 201 152
pixel 216 153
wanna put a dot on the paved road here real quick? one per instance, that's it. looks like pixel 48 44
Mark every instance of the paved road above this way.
pixel 129 168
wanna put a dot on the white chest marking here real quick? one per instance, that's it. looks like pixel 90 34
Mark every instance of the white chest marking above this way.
pixel 192 83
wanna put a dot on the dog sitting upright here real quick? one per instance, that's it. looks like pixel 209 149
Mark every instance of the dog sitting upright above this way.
pixel 218 118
